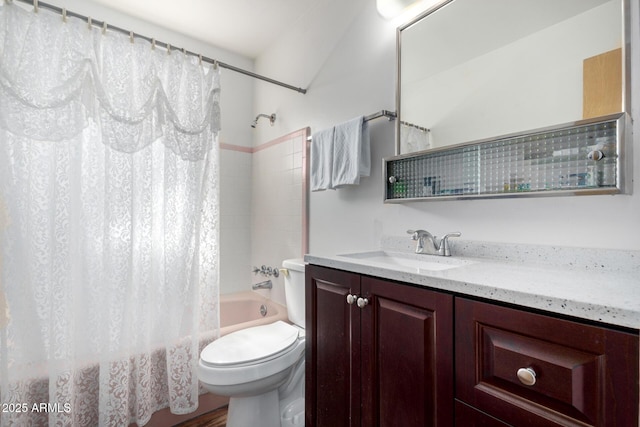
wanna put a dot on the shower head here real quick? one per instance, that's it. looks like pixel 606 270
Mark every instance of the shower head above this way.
pixel 272 119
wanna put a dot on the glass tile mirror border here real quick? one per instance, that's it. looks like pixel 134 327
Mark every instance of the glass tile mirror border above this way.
pixel 582 158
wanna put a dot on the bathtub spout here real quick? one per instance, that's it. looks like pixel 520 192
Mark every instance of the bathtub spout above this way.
pixel 263 285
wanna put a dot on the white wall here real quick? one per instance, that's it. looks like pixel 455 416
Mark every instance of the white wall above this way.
pixel 277 206
pixel 235 219
pixel 261 207
pixel 345 56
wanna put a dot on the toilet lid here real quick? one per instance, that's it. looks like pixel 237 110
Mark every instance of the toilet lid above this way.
pixel 251 344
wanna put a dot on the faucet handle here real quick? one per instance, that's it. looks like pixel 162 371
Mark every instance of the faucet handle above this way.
pixel 444 242
pixel 452 234
pixel 416 233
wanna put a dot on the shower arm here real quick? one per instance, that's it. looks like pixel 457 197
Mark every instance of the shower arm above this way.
pixel 272 119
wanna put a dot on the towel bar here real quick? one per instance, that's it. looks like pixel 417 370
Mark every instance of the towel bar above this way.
pixel 382 113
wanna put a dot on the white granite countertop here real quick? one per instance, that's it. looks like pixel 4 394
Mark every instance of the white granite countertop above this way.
pixel 597 285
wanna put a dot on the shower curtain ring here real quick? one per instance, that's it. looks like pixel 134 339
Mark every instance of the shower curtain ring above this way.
pixel 104 27
pixel 89 23
pixel 35 6
pixel 64 14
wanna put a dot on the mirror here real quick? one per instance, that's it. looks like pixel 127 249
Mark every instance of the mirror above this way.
pixel 472 70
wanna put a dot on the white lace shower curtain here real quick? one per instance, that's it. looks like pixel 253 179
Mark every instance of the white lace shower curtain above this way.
pixel 108 223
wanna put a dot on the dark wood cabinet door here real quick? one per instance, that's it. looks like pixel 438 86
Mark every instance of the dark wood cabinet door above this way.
pixel 466 416
pixel 578 374
pixel 407 355
pixel 332 349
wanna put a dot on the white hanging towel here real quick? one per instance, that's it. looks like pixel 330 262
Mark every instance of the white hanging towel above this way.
pixel 321 159
pixel 351 153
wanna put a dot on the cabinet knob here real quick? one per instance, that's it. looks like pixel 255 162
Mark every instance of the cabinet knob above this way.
pixel 351 299
pixel 595 155
pixel 527 376
pixel 362 302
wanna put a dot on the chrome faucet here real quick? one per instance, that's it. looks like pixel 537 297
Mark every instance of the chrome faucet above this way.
pixel 433 247
pixel 262 285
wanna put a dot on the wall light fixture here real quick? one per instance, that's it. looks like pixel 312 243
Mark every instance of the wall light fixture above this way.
pixel 390 9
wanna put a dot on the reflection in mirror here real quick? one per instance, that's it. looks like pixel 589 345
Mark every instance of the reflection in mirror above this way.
pixel 472 70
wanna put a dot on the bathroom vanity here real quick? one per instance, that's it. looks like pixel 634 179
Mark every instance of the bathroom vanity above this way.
pixel 395 338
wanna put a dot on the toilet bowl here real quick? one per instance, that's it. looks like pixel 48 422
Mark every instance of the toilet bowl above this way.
pixel 261 368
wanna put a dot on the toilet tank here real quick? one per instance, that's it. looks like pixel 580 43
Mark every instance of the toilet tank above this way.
pixel 294 290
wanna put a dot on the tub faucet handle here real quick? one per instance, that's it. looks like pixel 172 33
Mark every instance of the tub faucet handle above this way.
pixel 267 271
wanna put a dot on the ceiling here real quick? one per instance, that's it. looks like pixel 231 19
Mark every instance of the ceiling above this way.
pixel 247 27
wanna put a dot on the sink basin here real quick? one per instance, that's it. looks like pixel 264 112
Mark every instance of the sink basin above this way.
pixel 407 262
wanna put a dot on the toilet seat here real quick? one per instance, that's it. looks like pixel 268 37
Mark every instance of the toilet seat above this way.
pixel 237 358
pixel 250 346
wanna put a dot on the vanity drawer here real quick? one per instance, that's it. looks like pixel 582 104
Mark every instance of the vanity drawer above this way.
pixel 571 373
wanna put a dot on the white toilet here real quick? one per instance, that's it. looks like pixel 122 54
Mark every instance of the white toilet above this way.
pixel 261 369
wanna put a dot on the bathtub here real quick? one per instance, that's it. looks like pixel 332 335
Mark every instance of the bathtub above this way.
pixel 243 310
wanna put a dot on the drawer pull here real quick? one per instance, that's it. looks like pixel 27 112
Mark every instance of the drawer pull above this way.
pixel 351 299
pixel 527 376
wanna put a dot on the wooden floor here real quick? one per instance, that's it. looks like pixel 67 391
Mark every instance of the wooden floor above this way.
pixel 216 418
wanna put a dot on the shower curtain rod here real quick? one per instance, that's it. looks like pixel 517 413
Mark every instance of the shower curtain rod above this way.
pixel 422 128
pixel 103 24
